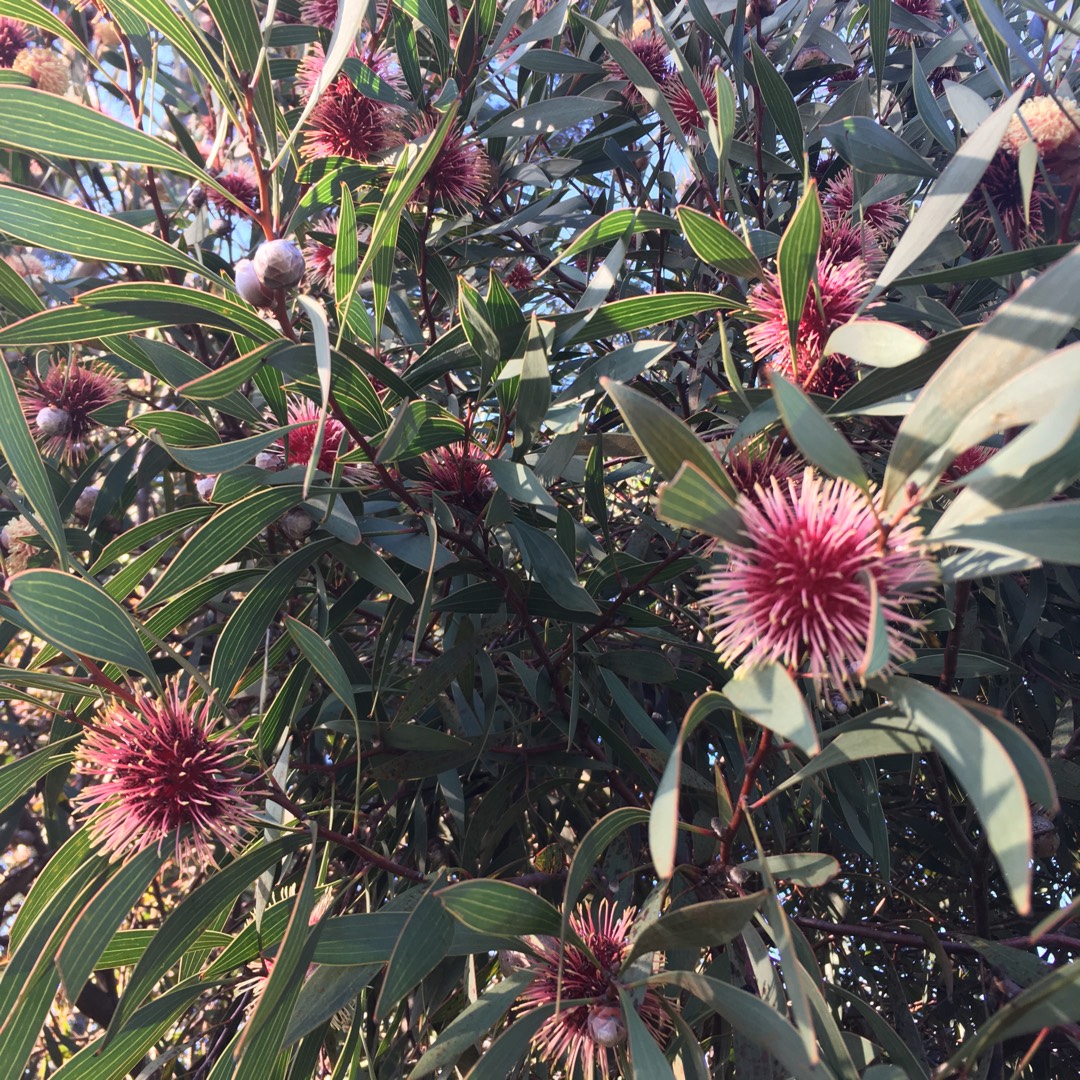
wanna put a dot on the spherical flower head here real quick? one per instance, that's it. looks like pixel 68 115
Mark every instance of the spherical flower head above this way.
pixel 14 37
pixel 886 218
pixel 967 462
pixel 240 183
pixel 1001 186
pixel 299 444
pixel 843 240
pixel 1055 127
pixel 13 541
pixel 279 264
pixel 319 12
pixel 160 766
pixel 841 288
pixel 519 277
pixel 345 123
pixel 925 9
pixel 756 462
pixel 798 591
pixel 69 391
pixel 48 70
pixel 585 1035
pixel 685 107
pixel 653 52
pixel 460 176
pixel 459 475
pixel 27 265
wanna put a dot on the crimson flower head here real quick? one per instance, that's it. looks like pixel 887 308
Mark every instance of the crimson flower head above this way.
pixel 459 475
pixel 843 240
pixel 586 1034
pixel 59 408
pixel 840 289
pixel 797 592
pixel 14 37
pixel 239 182
pixel 461 174
pixel 926 9
pixel 886 217
pixel 299 444
pixel 319 256
pixel 653 52
pixel 967 462
pixel 319 12
pixel 686 108
pixel 160 766
pixel 754 462
pixel 1001 189
pixel 519 277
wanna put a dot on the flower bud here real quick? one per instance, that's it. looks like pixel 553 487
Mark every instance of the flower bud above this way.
pixel 249 286
pixel 205 487
pixel 84 504
pixel 279 264
pixel 52 421
pixel 606 1025
pixel 297 525
pixel 269 461
pixel 1045 838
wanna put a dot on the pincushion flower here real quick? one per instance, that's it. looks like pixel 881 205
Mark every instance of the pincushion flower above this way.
pixel 798 591
pixel 841 287
pixel 59 407
pixel 1055 127
pixel 297 446
pixel 48 70
pixel 459 475
pixel 519 277
pixel 584 1035
pixel 925 9
pixel 886 217
pixel 1001 188
pixel 240 183
pixel 162 766
pixel 651 49
pixel 843 240
pixel 14 37
pixel 460 176
pixel 685 107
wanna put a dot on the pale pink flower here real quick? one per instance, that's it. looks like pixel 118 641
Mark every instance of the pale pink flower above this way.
pixel 584 1035
pixel 886 218
pixel 797 592
pixel 160 767
pixel 59 407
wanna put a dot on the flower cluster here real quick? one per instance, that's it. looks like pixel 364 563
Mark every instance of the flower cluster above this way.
pixel 798 591
pixel 162 767
pixel 60 407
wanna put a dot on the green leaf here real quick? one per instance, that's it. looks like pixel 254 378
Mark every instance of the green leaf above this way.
pixel 878 12
pixel 534 389
pixel 714 243
pixel 871 148
pixel 993 266
pixel 751 1017
pixel 646 1057
pixel 796 261
pixel 216 384
pixel 779 104
pixel 697 926
pixel 502 1057
pixel 80 618
pixel 625 316
pixel 497 907
pixel 240 33
pixel 544 117
pixel 666 440
pixel 102 916
pixel 21 454
pixel 952 189
pixel 550 567
pixel 1049 532
pixel 692 501
pixel 184 924
pixel 424 940
pixel 770 697
pixel 876 343
pixel 664 816
pixel 818 440
pixel 43 123
pixel 18 776
pixel 985 770
pixel 60 226
pixel 320 656
pixel 929 110
pixel 219 457
pixel 612 226
pixel 477 326
pixel 217 541
pixel 470 1026
pixel 15 295
pixel 996 48
pixel 346 253
pixel 809 869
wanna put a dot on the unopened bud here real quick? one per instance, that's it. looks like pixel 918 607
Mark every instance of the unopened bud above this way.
pixel 297 524
pixel 249 286
pixel 52 421
pixel 269 461
pixel 84 504
pixel 1045 838
pixel 279 264
pixel 606 1025
pixel 205 486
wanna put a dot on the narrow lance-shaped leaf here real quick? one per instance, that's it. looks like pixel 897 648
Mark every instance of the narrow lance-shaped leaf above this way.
pixel 796 261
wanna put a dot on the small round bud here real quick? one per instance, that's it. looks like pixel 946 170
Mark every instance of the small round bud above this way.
pixel 269 461
pixel 279 264
pixel 1045 838
pixel 205 487
pixel 606 1025
pixel 249 286
pixel 297 525
pixel 52 421
pixel 197 197
pixel 84 504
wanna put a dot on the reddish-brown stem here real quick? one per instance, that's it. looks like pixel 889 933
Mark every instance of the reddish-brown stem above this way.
pixel 753 766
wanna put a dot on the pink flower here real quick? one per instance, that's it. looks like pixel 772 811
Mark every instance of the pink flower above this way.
pixel 686 108
pixel 967 462
pixel 798 593
pixel 59 408
pixel 926 9
pixel 319 12
pixel 651 49
pixel 163 766
pixel 843 240
pixel 840 290
pixel 1056 129
pixel 585 1034
pixel 14 37
pixel 519 277
pixel 459 475
pixel 460 176
pixel 1001 187
pixel 320 256
pixel 239 182
pixel 887 217
pixel 755 462
pixel 299 443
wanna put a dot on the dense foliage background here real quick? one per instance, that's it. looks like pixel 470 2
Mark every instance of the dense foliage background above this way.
pixel 540 539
